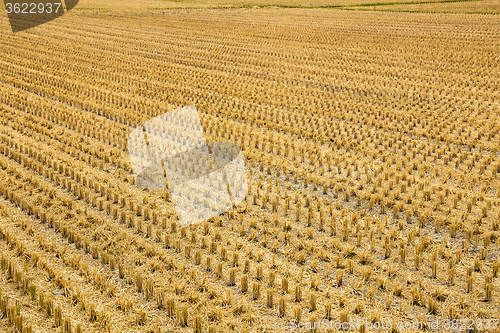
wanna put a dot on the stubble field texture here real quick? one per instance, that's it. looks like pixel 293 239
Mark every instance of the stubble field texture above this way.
pixel 371 140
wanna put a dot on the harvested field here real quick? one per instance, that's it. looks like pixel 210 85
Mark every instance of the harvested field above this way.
pixel 471 7
pixel 372 148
